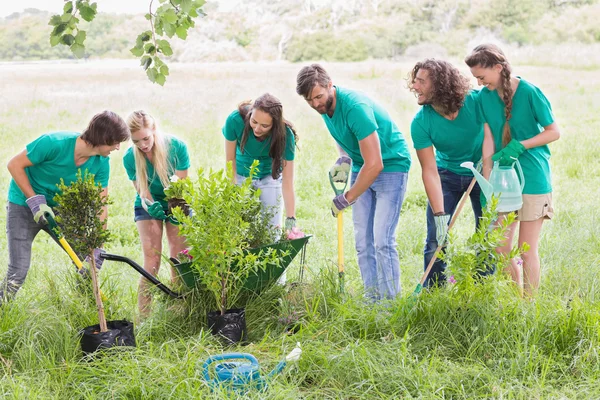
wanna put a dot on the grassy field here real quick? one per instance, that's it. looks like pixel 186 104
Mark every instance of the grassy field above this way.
pixel 480 343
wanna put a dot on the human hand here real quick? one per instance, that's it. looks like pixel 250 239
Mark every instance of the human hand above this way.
pixel 339 203
pixel 511 152
pixel 340 170
pixel 290 222
pixel 98 260
pixel 154 209
pixel 441 228
pixel 38 206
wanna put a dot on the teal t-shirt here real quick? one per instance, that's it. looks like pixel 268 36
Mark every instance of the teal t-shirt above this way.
pixel 53 158
pixel 179 160
pixel 531 111
pixel 455 141
pixel 355 117
pixel 254 149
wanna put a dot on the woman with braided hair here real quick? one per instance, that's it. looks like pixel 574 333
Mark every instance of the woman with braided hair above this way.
pixel 531 126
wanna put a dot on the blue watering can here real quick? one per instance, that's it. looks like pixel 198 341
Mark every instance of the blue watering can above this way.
pixel 503 183
pixel 241 376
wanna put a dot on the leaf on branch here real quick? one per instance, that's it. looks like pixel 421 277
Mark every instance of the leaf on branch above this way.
pixel 160 79
pixel 164 47
pixel 87 12
pixel 170 16
pixel 137 51
pixel 55 20
pixel 164 70
pixel 80 37
pixel 152 72
pixel 67 39
pixel 54 40
pixel 148 16
pixel 145 62
pixel 149 48
pixel 181 32
pixel 78 50
pixel 68 8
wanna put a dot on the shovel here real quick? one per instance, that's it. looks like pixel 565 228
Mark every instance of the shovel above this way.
pixel 338 189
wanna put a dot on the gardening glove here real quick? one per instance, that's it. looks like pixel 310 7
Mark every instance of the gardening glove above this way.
pixel 338 204
pixel 341 168
pixel 154 209
pixel 441 228
pixel 97 259
pixel 172 220
pixel 38 207
pixel 294 354
pixel 290 222
pixel 508 155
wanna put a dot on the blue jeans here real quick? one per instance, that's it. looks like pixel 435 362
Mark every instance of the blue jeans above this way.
pixel 453 188
pixel 375 215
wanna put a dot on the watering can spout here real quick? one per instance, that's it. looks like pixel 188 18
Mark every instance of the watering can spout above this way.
pixel 485 186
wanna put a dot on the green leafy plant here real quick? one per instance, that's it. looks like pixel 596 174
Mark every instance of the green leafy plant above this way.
pixel 174 193
pixel 219 233
pixel 78 212
pixel 172 17
pixel 478 255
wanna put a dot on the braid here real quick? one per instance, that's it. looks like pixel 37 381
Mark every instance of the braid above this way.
pixel 507 97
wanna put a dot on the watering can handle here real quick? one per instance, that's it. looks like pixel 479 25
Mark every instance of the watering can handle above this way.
pixel 521 176
pixel 227 356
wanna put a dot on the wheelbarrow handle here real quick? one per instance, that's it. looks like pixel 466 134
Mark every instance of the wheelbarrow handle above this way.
pixel 143 272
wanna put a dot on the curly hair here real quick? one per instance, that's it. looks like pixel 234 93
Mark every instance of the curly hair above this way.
pixel 450 87
pixel 487 56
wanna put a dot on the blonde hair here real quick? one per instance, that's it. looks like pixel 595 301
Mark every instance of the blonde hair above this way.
pixel 137 121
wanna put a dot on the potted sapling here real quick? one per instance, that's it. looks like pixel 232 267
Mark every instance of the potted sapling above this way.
pixel 80 205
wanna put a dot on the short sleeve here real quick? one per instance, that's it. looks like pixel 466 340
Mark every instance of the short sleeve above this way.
pixel 182 161
pixel 361 120
pixel 41 149
pixel 103 172
pixel 234 126
pixel 129 164
pixel 290 145
pixel 542 110
pixel 420 137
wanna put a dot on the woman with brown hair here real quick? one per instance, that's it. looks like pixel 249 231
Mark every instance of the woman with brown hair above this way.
pixel 258 131
pixel 519 124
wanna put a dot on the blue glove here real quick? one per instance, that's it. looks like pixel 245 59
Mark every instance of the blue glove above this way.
pixel 338 204
pixel 39 207
pixel 340 170
pixel 290 222
pixel 441 228
pixel 97 260
pixel 508 155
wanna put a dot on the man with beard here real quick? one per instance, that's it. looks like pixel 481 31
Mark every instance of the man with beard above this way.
pixel 367 137
pixel 451 122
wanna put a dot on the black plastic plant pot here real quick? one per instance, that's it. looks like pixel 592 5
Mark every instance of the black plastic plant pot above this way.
pixel 231 326
pixel 120 333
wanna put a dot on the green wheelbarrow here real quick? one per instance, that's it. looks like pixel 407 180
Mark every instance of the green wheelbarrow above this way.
pixel 255 283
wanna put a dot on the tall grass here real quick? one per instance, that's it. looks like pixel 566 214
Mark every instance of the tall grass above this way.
pixel 481 342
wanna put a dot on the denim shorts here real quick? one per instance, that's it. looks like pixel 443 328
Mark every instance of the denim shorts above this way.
pixel 139 214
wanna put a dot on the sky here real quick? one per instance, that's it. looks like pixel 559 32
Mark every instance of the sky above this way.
pixel 110 6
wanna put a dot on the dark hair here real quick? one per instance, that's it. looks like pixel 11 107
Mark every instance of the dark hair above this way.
pixel 272 106
pixel 309 77
pixel 487 56
pixel 449 86
pixel 106 128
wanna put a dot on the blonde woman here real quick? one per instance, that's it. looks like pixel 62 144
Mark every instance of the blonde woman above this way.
pixel 150 163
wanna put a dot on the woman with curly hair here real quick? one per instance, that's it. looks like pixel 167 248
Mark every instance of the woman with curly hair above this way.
pixel 449 121
pixel 257 131
pixel 525 137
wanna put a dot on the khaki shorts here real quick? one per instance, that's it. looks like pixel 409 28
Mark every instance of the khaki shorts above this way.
pixel 536 206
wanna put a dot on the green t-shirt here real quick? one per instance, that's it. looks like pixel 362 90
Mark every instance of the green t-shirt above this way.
pixel 254 149
pixel 178 158
pixel 53 158
pixel 531 111
pixel 454 141
pixel 355 117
